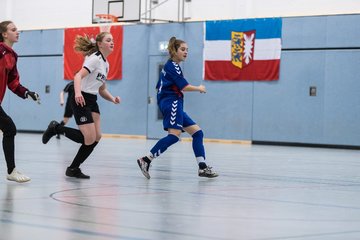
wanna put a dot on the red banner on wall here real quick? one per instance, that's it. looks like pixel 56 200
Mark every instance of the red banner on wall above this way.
pixel 73 60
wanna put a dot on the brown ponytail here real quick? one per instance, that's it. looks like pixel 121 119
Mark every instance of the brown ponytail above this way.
pixel 3 29
pixel 174 45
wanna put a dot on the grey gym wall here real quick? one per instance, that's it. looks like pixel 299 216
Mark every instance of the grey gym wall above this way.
pixel 317 51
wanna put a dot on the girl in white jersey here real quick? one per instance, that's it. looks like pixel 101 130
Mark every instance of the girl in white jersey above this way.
pixel 88 82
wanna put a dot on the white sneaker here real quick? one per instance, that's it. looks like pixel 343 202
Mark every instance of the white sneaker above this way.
pixel 17 176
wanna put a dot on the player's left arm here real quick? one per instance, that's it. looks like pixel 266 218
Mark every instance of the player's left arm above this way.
pixel 182 83
pixel 15 86
pixel 191 88
pixel 104 93
pixel 14 83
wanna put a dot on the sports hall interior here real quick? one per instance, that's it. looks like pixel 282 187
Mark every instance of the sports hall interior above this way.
pixel 287 151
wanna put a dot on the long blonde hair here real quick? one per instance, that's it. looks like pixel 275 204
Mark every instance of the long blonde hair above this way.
pixel 3 29
pixel 86 45
pixel 174 45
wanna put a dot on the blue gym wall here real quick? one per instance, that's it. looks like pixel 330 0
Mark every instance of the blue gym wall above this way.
pixel 319 51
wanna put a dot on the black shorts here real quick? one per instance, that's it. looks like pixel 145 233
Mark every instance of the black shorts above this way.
pixel 68 108
pixel 83 115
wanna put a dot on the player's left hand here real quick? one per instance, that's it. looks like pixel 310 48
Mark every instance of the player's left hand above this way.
pixel 33 95
pixel 202 89
pixel 117 100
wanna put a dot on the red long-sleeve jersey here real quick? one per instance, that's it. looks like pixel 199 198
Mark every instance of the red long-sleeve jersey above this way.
pixel 9 76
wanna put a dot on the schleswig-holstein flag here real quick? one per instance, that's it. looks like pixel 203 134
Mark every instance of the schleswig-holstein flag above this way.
pixel 242 49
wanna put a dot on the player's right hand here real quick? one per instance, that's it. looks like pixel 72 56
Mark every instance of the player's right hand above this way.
pixel 79 99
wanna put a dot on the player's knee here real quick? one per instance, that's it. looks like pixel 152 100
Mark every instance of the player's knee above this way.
pixel 98 137
pixel 198 135
pixel 172 139
pixel 88 140
pixel 9 130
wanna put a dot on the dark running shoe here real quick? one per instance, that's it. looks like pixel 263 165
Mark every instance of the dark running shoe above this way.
pixel 76 172
pixel 49 132
pixel 207 172
pixel 144 165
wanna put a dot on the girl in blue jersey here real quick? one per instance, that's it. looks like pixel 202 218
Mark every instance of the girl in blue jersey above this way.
pixel 170 100
pixel 88 82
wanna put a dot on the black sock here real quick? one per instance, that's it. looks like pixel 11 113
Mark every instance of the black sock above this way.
pixel 71 133
pixel 202 165
pixel 9 152
pixel 83 153
pixel 93 146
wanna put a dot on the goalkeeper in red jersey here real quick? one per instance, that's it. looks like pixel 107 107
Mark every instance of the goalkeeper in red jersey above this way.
pixel 9 78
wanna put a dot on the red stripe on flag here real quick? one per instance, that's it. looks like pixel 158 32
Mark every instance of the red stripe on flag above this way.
pixel 260 70
pixel 115 58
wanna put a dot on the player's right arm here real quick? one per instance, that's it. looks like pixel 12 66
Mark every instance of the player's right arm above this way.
pixel 79 99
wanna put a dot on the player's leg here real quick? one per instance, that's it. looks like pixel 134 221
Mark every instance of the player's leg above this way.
pixel 163 144
pixel 8 128
pixel 63 123
pixel 160 147
pixel 75 135
pixel 96 118
pixel 172 122
pixel 89 125
pixel 198 147
pixel 89 133
pixel 55 128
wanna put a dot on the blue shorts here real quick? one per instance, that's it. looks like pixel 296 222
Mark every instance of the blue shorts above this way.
pixel 174 115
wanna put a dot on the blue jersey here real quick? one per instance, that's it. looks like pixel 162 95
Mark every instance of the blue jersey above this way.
pixel 171 81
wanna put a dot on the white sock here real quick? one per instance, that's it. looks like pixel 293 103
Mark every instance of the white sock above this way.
pixel 200 159
pixel 150 156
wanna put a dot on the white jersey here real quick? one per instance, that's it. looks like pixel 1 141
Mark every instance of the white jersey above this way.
pixel 98 68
